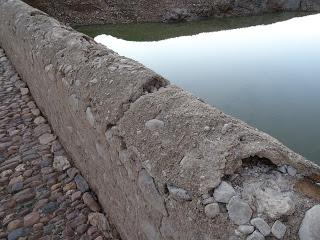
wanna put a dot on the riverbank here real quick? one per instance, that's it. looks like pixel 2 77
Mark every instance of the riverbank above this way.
pixel 86 12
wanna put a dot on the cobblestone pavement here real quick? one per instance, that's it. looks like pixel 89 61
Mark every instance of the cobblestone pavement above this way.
pixel 42 196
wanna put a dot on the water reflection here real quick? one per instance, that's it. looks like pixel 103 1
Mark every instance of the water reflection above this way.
pixel 266 75
pixel 160 31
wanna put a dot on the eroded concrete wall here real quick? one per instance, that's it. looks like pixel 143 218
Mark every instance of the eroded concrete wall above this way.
pixel 85 12
pixel 164 164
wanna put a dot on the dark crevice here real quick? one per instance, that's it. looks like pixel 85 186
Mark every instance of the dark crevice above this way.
pixel 255 161
pixel 154 84
pixel 36 13
pixel 109 126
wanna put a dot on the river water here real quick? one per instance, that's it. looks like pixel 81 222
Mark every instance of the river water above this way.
pixel 267 75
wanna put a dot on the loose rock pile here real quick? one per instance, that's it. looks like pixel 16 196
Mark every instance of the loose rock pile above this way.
pixel 261 201
pixel 41 195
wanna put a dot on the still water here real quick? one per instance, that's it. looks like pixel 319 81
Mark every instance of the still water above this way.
pixel 265 72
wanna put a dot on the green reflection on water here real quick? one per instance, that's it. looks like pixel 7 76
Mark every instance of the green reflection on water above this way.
pixel 160 31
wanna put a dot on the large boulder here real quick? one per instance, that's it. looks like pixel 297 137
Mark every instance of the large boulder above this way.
pixel 310 227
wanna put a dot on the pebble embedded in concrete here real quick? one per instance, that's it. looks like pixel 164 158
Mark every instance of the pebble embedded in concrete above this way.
pixel 261 225
pixel 212 210
pixel 239 211
pixel 224 192
pixel 256 235
pixel 278 229
pixel 61 163
pixel 246 229
pixel 291 171
pixel 90 116
pixel 179 194
pixel 154 124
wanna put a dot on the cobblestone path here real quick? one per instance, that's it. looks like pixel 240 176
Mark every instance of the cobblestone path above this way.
pixel 42 196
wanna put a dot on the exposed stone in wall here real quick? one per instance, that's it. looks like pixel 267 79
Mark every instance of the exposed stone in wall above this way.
pixel 119 11
pixel 164 164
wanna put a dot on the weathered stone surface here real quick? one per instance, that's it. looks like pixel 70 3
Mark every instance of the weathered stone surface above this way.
pixel 224 192
pixel 14 225
pixel 16 234
pixel 246 229
pixel 90 202
pixel 212 210
pixel 99 220
pixel 179 194
pixel 90 116
pixel 310 226
pixel 82 184
pixel 61 163
pixel 39 120
pixel 274 203
pixel 239 211
pixel 291 171
pixel 150 192
pixel 24 91
pixel 46 138
pixel 256 235
pixel 278 229
pixel 261 225
pixel 154 124
pixel 31 219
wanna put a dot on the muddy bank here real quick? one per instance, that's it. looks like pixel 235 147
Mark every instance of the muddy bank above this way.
pixel 84 12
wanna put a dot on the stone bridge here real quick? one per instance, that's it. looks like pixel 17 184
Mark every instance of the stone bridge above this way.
pixel 162 163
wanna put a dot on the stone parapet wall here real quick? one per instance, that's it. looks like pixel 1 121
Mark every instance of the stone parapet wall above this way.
pixel 84 12
pixel 163 164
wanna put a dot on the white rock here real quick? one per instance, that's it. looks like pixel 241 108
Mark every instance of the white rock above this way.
pixel 291 171
pixel 246 229
pixel 39 120
pixel 261 225
pixel 179 194
pixel 283 169
pixel 207 128
pixel 278 229
pixel 35 112
pixel 24 91
pixel 239 211
pixel 207 201
pixel 61 163
pixel 212 210
pixel 310 227
pixel 90 116
pixel 274 203
pixel 224 192
pixel 256 235
pixel 20 168
pixel 154 124
pixel 6 173
pixel 226 128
